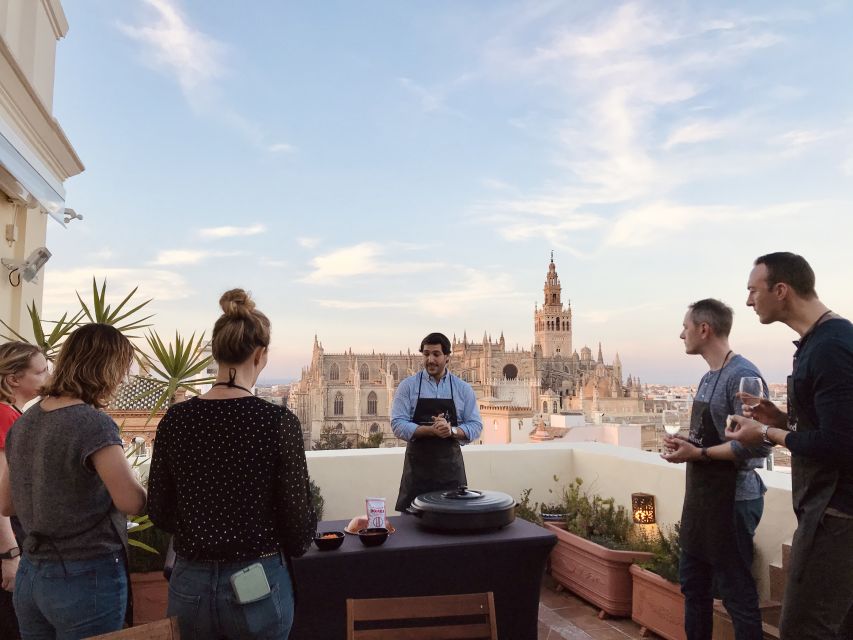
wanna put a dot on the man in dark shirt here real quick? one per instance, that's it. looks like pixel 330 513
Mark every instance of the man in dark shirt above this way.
pixel 818 430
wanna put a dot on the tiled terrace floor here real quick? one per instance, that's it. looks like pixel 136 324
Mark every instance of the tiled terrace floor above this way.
pixel 565 616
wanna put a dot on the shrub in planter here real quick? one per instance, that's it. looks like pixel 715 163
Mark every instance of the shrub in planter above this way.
pixel 657 600
pixel 526 511
pixel 317 499
pixel 593 555
pixel 147 555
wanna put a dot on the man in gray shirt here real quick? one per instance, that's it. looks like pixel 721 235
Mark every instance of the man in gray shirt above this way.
pixel 724 496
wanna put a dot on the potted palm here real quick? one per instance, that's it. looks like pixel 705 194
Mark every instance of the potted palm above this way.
pixel 594 553
pixel 658 604
pixel 178 368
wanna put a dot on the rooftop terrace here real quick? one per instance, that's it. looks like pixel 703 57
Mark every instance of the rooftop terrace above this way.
pixel 346 477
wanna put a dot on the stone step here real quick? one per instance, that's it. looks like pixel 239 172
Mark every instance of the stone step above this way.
pixel 786 555
pixel 778 579
pixel 770 611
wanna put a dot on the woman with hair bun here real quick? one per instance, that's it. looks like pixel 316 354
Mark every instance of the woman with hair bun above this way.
pixel 23 371
pixel 70 485
pixel 229 480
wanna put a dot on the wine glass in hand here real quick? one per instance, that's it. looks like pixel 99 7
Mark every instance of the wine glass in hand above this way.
pixel 671 421
pixel 752 391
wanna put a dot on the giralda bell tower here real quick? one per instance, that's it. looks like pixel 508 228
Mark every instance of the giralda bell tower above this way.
pixel 553 322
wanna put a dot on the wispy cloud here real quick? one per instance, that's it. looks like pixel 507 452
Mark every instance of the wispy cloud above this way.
pixel 232 232
pixel 660 221
pixel 362 259
pixel 623 73
pixel 282 147
pixel 309 243
pixel 698 131
pixel 434 99
pixel 176 257
pixel 194 58
pixel 273 262
pixel 197 62
pixel 467 287
pixel 159 284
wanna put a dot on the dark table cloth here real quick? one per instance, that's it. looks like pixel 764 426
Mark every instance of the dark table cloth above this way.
pixel 418 562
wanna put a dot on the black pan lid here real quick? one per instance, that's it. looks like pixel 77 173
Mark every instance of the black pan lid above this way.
pixel 463 500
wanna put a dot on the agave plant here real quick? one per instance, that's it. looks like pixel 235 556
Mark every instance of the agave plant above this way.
pixel 101 312
pixel 176 367
pixel 49 341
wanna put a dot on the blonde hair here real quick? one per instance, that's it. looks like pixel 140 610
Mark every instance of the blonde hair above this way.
pixel 240 329
pixel 91 365
pixel 15 357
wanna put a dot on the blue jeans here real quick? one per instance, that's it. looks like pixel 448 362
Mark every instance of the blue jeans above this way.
pixel 201 596
pixel 82 599
pixel 731 577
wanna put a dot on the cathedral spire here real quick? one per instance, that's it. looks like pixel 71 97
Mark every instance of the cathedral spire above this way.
pixel 600 359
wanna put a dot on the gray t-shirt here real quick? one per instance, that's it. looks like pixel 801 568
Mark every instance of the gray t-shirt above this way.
pixel 55 489
pixel 724 385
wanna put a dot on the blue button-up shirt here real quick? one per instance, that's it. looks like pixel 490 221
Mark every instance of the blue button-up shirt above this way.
pixel 403 410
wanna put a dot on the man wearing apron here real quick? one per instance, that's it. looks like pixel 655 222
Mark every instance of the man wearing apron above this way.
pixel 435 412
pixel 818 430
pixel 724 497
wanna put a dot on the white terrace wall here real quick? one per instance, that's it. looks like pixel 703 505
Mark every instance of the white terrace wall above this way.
pixel 347 477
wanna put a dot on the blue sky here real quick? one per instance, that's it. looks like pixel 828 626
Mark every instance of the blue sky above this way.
pixel 375 171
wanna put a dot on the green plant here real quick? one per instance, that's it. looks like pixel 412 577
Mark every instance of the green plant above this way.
pixel 96 311
pixel 148 546
pixel 177 366
pixel 103 313
pixel 317 499
pixel 667 550
pixel 373 441
pixel 331 439
pixel 598 519
pixel 525 511
pixel 49 341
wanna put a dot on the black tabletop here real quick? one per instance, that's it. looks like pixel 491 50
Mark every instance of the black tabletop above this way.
pixel 415 561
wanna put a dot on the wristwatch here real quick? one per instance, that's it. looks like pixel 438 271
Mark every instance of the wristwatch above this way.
pixel 14 552
pixel 455 431
pixel 764 429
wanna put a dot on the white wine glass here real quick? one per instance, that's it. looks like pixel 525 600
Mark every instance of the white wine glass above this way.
pixel 671 421
pixel 752 391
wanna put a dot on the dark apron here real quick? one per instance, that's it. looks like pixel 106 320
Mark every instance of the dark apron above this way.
pixel 431 464
pixel 813 483
pixel 707 518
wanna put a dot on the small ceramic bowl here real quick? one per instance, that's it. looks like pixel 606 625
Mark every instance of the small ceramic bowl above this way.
pixel 326 543
pixel 373 536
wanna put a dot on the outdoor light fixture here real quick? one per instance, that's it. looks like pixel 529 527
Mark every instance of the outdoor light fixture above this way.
pixel 29 268
pixel 643 508
pixel 70 215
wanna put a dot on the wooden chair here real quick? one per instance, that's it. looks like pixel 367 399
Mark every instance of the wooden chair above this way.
pixel 468 615
pixel 166 629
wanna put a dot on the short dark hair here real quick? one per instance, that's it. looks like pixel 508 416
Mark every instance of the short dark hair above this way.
pixel 790 269
pixel 716 313
pixel 437 338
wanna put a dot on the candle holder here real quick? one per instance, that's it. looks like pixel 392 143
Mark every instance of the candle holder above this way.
pixel 643 508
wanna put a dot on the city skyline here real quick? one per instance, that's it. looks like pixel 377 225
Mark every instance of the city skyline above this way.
pixel 375 173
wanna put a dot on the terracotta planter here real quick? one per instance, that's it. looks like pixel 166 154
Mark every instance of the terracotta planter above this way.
pixel 658 605
pixel 150 596
pixel 597 574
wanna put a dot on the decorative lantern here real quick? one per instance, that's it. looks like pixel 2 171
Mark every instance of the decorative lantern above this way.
pixel 643 508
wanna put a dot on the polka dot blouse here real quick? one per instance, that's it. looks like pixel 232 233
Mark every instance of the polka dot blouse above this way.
pixel 229 479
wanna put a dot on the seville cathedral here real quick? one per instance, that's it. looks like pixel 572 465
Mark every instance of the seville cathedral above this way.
pixel 352 393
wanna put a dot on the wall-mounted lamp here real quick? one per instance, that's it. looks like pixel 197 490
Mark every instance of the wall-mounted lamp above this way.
pixel 643 508
pixel 29 268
